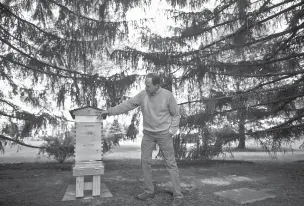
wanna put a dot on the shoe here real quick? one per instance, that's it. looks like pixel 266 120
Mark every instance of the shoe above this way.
pixel 144 196
pixel 177 202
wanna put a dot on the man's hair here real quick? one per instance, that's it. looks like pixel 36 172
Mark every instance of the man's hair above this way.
pixel 155 78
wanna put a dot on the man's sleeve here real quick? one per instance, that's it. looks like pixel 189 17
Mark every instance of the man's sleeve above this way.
pixel 126 105
pixel 174 111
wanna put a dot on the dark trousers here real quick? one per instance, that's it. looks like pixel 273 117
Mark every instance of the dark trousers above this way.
pixel 165 144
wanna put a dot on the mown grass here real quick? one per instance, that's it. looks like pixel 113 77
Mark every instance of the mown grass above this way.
pixel 38 184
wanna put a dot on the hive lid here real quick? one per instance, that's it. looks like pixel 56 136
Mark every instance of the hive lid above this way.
pixel 85 111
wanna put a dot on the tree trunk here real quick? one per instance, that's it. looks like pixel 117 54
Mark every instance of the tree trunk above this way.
pixel 242 137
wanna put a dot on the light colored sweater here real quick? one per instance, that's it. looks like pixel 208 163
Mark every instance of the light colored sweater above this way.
pixel 160 111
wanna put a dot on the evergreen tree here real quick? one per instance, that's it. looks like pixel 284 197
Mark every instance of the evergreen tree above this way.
pixel 115 134
pixel 48 48
pixel 210 48
pixel 256 44
pixel 132 129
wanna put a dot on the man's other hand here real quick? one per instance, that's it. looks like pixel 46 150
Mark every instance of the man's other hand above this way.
pixel 171 133
pixel 103 115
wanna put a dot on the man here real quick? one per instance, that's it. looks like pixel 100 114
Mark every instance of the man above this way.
pixel 160 122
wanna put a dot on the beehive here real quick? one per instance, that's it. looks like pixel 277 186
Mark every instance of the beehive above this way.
pixel 88 149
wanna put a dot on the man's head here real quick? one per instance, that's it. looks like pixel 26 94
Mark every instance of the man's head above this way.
pixel 152 83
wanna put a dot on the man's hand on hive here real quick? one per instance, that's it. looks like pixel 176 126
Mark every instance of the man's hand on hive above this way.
pixel 103 115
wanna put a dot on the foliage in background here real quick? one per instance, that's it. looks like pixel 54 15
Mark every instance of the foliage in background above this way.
pixel 59 147
pixel 237 63
pixel 114 135
pixel 241 64
pixel 133 128
pixel 47 60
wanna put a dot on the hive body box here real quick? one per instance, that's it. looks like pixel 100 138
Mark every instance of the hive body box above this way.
pixel 88 149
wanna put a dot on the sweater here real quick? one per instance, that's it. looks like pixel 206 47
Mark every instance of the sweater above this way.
pixel 160 111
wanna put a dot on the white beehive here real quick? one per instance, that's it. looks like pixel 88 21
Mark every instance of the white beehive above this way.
pixel 88 135
pixel 88 149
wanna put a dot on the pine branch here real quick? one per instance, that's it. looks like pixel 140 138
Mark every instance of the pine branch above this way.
pixel 205 100
pixel 58 117
pixel 58 75
pixel 51 35
pixel 19 142
pixel 249 26
pixel 94 20
pixel 19 40
pixel 261 75
pixel 267 38
pixel 29 23
pixel 297 117
pixel 283 105
pixel 270 90
pixel 268 82
pixel 35 59
pixel 273 129
pixel 171 58
pixel 239 108
pixel 23 115
pixel 36 70
pixel 284 45
pixel 46 64
pixel 293 97
pixel 265 62
pixel 284 87
pixel 8 115
pixel 181 13
pixel 15 107
pixel 257 63
pixel 234 20
pixel 264 20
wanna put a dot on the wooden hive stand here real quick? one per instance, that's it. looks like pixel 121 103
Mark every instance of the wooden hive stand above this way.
pixel 88 149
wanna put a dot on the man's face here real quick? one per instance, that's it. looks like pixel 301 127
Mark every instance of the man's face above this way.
pixel 150 87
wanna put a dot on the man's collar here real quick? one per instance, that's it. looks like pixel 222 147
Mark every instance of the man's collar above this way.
pixel 158 90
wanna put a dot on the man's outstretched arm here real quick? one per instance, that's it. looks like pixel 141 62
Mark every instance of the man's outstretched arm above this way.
pixel 123 107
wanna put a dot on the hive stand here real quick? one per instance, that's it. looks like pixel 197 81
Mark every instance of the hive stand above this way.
pixel 88 149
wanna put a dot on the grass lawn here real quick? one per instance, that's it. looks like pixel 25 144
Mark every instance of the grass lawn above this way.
pixel 38 184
